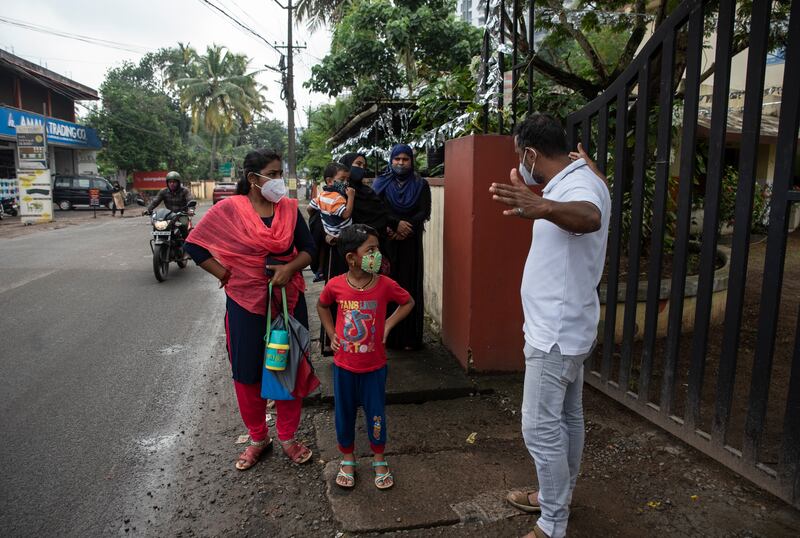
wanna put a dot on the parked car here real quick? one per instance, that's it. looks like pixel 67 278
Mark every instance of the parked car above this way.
pixel 72 191
pixel 223 190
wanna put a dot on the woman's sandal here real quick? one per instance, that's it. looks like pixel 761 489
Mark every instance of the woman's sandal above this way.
pixel 381 479
pixel 297 452
pixel 252 454
pixel 350 479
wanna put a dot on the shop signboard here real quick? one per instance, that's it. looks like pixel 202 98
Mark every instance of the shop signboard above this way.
pixel 31 147
pixel 58 132
pixel 94 197
pixel 35 188
pixel 35 196
pixel 154 180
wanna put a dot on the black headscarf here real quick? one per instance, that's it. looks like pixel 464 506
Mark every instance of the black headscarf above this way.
pixel 368 208
pixel 348 158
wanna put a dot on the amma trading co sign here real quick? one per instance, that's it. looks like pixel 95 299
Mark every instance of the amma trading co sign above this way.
pixel 59 132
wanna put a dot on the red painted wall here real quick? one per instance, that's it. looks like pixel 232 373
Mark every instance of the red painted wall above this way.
pixel 484 255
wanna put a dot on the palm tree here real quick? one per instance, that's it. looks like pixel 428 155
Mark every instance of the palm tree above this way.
pixel 320 12
pixel 182 63
pixel 221 94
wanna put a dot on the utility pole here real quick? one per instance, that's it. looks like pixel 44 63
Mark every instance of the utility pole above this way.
pixel 288 93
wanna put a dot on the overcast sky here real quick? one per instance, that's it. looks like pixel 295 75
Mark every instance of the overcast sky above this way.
pixel 153 24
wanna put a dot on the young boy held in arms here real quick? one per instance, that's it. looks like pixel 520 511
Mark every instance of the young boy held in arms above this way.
pixel 335 206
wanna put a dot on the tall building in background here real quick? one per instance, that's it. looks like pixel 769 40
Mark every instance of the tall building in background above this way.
pixel 472 11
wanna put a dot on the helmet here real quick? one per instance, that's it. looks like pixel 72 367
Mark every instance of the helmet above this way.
pixel 174 176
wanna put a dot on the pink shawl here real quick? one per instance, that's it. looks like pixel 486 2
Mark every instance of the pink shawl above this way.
pixel 236 236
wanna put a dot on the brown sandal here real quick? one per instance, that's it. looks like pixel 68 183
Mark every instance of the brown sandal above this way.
pixel 537 532
pixel 252 454
pixel 297 452
pixel 522 500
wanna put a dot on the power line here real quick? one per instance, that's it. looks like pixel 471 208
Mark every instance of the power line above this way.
pixel 77 37
pixel 238 23
pixel 249 16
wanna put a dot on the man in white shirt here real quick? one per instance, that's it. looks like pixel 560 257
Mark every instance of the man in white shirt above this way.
pixel 561 307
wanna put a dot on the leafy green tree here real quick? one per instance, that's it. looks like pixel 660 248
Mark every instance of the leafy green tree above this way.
pixel 380 46
pixel 314 152
pixel 141 127
pixel 267 133
pixel 220 95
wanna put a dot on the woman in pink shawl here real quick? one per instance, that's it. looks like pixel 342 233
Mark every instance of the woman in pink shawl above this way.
pixel 245 241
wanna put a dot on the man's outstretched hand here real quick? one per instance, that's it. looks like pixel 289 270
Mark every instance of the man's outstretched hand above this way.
pixel 523 202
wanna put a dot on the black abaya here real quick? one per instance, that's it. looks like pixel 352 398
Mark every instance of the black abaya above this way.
pixel 407 259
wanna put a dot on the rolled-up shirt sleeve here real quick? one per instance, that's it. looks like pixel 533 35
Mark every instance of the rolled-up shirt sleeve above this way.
pixel 197 253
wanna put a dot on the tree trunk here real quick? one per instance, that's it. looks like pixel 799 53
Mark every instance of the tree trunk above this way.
pixel 213 155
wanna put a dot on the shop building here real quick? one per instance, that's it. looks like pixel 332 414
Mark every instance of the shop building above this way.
pixel 33 95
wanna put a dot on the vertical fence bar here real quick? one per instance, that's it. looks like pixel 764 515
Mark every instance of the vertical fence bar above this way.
pixel 708 254
pixel 602 138
pixel 776 247
pixel 688 142
pixel 615 237
pixel 635 239
pixel 716 148
pixel 531 52
pixel 664 142
pixel 789 464
pixel 586 134
pixel 501 66
pixel 514 60
pixel 572 134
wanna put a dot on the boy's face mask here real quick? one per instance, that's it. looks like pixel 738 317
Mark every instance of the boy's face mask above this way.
pixel 371 263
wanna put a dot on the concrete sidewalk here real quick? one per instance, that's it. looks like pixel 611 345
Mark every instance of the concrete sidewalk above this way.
pixel 455 447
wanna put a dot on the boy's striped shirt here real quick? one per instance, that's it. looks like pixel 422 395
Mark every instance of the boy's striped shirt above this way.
pixel 331 206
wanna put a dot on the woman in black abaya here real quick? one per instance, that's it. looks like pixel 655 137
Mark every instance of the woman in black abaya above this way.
pixel 408 197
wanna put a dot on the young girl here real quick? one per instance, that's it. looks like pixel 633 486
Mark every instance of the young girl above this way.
pixel 359 370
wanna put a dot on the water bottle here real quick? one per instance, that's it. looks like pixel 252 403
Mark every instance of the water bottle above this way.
pixel 277 350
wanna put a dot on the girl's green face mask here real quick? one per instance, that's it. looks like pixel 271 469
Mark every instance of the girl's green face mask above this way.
pixel 371 263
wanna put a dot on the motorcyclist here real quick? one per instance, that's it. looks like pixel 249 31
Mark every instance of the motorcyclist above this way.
pixel 175 197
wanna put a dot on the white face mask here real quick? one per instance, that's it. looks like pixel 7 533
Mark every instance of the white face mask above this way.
pixel 527 175
pixel 273 190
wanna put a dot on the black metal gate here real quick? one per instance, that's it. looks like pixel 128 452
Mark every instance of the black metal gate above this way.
pixel 642 103
pixel 689 353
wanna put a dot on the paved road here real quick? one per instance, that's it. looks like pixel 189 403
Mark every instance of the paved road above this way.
pixel 99 364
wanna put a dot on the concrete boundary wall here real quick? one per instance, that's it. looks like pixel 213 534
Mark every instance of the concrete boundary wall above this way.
pixel 432 246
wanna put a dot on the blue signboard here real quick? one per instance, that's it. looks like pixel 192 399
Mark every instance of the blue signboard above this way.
pixel 59 132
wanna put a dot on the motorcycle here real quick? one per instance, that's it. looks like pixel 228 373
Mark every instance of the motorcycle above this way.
pixel 8 207
pixel 167 241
